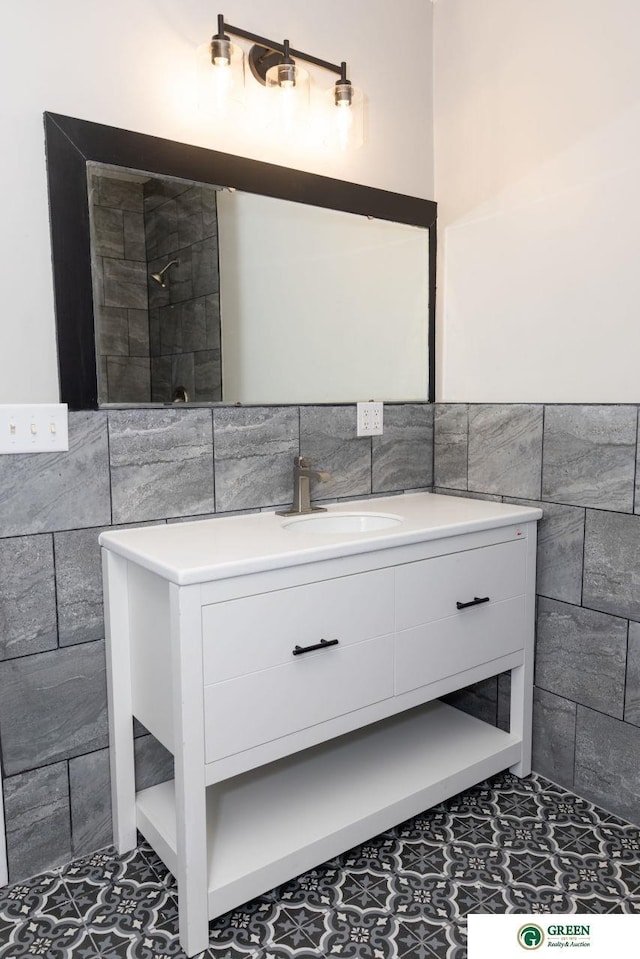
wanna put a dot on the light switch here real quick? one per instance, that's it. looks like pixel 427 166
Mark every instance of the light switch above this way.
pixel 33 428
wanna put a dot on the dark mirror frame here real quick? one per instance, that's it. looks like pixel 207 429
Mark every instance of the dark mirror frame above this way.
pixel 71 143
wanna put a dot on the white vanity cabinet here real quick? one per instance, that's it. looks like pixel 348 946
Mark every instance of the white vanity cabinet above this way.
pixel 295 678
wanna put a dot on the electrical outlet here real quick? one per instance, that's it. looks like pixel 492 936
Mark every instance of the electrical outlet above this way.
pixel 369 421
pixel 33 428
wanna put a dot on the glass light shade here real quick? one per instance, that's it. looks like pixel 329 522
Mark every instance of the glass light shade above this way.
pixel 287 87
pixel 345 119
pixel 220 77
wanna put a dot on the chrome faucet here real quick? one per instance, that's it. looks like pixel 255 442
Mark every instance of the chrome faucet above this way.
pixel 302 473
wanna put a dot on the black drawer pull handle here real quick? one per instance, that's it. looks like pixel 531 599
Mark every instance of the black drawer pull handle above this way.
pixel 476 601
pixel 298 650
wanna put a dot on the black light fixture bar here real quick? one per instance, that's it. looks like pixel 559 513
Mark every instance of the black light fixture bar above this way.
pixel 279 47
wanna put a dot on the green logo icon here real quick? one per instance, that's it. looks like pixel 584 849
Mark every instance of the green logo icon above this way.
pixel 530 936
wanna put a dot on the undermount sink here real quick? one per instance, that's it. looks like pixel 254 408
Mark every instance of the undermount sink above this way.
pixel 342 522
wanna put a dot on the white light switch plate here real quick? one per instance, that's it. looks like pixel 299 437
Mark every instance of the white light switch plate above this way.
pixel 33 428
pixel 369 422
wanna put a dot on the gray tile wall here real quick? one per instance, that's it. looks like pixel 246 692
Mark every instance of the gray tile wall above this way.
pixel 152 339
pixel 128 467
pixel 181 224
pixel 120 288
pixel 580 464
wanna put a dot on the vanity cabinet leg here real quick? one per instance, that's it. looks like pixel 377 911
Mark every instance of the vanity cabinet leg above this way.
pixel 521 701
pixel 190 787
pixel 193 899
pixel 522 676
pixel 121 754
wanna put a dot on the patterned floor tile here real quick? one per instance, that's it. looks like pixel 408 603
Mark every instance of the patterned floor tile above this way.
pixel 245 928
pixel 433 898
pixel 525 898
pixel 232 952
pixel 521 804
pixel 493 904
pixel 509 845
pixel 165 937
pixel 6 928
pixel 595 905
pixel 365 934
pixel 159 869
pixel 420 940
pixel 281 952
pixel 316 887
pixel 534 869
pixel 381 852
pixel 479 801
pixel 628 875
pixel 153 944
pixel 48 938
pixel 126 913
pixel 620 841
pixel 457 934
pixel 363 889
pixel 60 907
pixel 432 826
pixel 471 864
pixel 298 927
pixel 563 808
pixel 25 899
pixel 508 782
pixel 524 835
pixel 583 840
pixel 590 876
pixel 425 858
pixel 468 898
pixel 85 893
pixel 108 866
pixel 474 829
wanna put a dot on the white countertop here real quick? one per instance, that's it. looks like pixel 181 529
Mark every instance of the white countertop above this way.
pixel 203 550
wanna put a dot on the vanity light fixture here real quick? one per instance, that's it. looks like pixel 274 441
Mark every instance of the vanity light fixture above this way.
pixel 287 87
pixel 348 112
pixel 220 73
pixel 274 66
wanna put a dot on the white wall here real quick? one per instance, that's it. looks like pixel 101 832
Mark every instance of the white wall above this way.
pixel 131 65
pixel 537 147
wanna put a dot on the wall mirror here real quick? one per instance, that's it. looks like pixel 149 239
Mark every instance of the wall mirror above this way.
pixel 184 274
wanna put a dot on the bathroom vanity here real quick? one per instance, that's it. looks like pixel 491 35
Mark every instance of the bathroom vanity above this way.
pixel 294 668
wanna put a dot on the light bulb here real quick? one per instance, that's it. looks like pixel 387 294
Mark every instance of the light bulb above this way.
pixel 288 90
pixel 344 116
pixel 220 77
pixel 288 107
pixel 344 123
pixel 221 90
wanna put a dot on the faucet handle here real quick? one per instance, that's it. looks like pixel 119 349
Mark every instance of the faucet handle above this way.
pixel 303 465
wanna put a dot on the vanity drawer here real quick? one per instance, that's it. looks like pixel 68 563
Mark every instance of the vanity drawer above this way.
pixel 255 633
pixel 430 589
pixel 309 689
pixel 433 651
